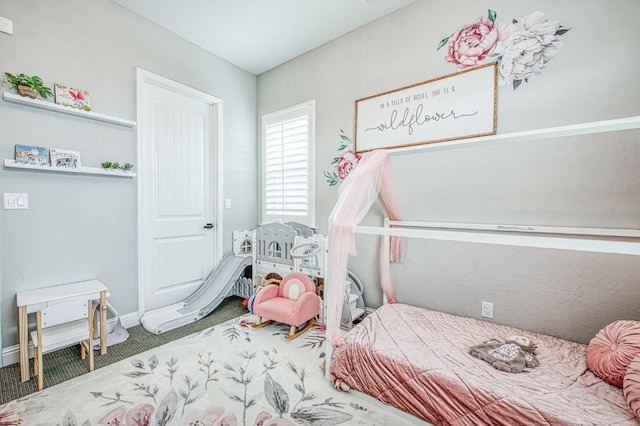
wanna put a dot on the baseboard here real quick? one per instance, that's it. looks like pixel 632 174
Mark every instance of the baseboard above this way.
pixel 11 354
pixel 128 320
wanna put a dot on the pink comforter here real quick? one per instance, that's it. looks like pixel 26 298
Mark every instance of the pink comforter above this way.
pixel 418 360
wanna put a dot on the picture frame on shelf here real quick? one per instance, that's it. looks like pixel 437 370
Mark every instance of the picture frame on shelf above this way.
pixel 72 97
pixel 31 154
pixel 65 159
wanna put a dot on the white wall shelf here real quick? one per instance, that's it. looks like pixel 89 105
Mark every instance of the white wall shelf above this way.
pixel 50 106
pixel 82 170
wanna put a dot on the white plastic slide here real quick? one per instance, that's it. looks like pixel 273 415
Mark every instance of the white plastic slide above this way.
pixel 212 292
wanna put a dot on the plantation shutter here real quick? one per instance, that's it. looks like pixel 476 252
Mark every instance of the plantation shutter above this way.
pixel 287 156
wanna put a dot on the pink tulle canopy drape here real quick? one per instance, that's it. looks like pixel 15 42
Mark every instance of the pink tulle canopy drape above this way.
pixel 358 192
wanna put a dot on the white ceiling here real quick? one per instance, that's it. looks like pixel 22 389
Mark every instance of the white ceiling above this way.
pixel 258 35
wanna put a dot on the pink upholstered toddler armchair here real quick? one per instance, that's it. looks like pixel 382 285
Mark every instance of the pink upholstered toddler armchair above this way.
pixel 293 302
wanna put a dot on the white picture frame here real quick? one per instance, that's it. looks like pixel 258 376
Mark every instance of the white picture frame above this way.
pixel 65 159
pixel 72 97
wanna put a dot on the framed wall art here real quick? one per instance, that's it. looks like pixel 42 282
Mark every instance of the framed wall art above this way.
pixel 455 106
pixel 72 97
pixel 64 158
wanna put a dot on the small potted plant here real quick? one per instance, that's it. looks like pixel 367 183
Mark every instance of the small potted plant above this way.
pixel 28 86
pixel 108 165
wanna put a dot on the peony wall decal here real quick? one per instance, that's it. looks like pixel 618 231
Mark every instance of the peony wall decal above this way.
pixel 344 163
pixel 522 48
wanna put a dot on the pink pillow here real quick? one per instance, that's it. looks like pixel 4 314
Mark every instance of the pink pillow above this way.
pixel 610 352
pixel 632 386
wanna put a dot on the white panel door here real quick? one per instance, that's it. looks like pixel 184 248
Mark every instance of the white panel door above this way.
pixel 177 240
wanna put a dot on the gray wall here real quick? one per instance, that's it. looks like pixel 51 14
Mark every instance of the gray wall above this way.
pixel 84 227
pixel 588 181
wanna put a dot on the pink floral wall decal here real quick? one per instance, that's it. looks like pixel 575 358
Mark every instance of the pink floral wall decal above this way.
pixel 522 48
pixel 346 161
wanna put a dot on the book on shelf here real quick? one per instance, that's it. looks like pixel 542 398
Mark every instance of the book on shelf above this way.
pixel 64 158
pixel 31 154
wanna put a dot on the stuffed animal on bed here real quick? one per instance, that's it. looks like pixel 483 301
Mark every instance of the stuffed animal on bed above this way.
pixel 524 342
pixel 511 356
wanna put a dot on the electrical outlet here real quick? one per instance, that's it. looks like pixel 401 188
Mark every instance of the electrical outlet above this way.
pixel 487 309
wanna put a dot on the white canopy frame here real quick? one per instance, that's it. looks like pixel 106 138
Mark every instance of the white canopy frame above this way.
pixel 600 240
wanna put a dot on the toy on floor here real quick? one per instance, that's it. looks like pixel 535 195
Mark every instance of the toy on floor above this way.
pixel 511 356
pixel 353 309
pixel 293 302
pixel 279 249
pixel 260 287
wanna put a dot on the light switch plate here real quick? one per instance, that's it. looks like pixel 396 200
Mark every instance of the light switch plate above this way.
pixel 16 201
pixel 6 25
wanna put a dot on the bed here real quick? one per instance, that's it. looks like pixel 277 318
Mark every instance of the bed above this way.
pixel 418 361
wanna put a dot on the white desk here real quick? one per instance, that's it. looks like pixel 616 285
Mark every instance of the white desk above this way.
pixel 33 300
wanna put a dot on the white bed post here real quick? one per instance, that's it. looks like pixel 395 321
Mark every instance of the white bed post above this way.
pixel 386 241
pixel 328 287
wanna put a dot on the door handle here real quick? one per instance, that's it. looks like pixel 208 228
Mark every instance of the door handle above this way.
pixel 209 226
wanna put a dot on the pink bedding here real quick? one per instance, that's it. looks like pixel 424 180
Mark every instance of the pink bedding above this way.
pixel 418 360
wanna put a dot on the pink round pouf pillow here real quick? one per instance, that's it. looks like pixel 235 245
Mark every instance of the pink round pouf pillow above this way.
pixel 631 386
pixel 611 351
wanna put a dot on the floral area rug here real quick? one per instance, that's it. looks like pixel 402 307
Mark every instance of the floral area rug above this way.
pixel 230 374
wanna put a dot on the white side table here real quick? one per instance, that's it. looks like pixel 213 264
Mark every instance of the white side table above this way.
pixel 31 301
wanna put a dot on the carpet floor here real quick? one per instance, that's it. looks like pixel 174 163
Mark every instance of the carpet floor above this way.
pixel 227 374
pixel 66 364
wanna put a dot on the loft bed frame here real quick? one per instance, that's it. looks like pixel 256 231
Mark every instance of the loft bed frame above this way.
pixel 599 240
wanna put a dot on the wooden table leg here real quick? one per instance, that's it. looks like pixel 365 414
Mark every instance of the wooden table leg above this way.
pixel 103 322
pixel 23 335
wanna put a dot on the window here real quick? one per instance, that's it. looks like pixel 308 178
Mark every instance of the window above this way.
pixel 288 165
pixel 246 247
pixel 275 251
